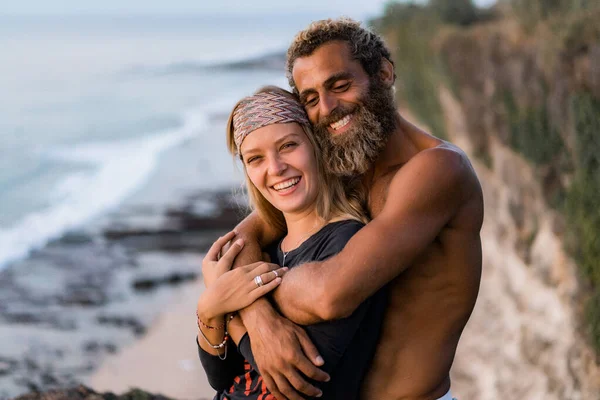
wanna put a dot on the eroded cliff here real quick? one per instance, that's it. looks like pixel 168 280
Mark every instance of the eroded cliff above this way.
pixel 524 102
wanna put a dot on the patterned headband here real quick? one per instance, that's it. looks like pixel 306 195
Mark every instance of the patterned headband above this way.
pixel 264 109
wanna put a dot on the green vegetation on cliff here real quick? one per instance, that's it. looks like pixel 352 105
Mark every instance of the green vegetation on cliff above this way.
pixel 409 29
pixel 527 72
pixel 531 132
pixel 530 13
pixel 583 202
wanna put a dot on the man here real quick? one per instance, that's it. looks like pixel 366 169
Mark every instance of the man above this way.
pixel 427 209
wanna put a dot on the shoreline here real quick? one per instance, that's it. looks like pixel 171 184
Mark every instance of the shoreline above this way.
pixel 165 360
pixel 85 300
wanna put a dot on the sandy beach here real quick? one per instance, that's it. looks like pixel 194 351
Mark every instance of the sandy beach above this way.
pixel 165 360
pixel 113 307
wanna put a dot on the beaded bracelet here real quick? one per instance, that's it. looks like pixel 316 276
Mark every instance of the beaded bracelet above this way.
pixel 221 345
pixel 216 346
pixel 227 319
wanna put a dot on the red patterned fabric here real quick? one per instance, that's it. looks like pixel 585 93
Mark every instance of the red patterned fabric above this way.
pixel 264 109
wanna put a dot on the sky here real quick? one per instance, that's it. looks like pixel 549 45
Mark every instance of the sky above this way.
pixel 199 7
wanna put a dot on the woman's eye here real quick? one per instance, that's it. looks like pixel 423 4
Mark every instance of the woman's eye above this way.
pixel 288 145
pixel 252 159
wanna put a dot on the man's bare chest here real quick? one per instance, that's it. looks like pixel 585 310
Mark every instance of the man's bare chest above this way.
pixel 378 193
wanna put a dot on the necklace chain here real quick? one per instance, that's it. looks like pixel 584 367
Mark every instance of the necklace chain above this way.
pixel 298 242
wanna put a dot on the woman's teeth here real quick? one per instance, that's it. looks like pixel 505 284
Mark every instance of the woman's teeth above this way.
pixel 341 123
pixel 287 184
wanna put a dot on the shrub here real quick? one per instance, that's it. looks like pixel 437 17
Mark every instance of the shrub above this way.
pixel 411 28
pixel 457 12
pixel 582 198
pixel 531 132
pixel 531 12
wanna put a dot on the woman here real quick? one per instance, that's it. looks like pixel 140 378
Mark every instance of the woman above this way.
pixel 289 188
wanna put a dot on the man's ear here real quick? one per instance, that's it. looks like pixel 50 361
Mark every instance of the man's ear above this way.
pixel 386 73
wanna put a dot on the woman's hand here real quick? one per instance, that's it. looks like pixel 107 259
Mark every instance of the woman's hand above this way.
pixel 229 291
pixel 212 266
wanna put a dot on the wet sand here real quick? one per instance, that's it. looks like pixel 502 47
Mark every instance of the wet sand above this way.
pixel 165 360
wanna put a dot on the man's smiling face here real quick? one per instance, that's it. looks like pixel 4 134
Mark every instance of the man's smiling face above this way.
pixel 353 114
pixel 327 80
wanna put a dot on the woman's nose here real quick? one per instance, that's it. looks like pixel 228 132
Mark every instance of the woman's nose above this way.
pixel 277 166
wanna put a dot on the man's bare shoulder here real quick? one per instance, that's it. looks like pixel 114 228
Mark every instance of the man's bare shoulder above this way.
pixel 444 165
pixel 438 184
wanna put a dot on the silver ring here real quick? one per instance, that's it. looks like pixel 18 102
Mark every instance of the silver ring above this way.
pixel 258 280
pixel 276 274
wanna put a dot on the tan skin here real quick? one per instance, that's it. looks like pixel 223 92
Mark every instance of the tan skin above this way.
pixel 427 209
pixel 228 291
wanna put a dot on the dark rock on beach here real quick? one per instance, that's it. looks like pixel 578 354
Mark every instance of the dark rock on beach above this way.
pixel 84 393
pixel 181 228
pixel 87 294
pixel 126 322
pixel 173 279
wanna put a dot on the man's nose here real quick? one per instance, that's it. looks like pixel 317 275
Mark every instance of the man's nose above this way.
pixel 277 166
pixel 327 105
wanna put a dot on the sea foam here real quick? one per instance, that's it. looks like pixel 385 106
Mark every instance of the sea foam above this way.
pixel 117 170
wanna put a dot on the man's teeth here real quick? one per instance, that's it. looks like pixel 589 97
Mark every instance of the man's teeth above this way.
pixel 341 123
pixel 286 184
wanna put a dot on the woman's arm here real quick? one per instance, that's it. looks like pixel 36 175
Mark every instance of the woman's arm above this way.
pixel 227 291
pixel 221 365
pixel 284 366
pixel 221 372
pixel 257 235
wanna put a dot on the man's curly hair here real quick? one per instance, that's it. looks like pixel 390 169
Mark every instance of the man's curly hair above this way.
pixel 367 47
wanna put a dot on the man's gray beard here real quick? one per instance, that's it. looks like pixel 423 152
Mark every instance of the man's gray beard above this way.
pixel 352 153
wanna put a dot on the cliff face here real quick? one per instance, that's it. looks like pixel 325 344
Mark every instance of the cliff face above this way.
pixel 514 109
pixel 524 338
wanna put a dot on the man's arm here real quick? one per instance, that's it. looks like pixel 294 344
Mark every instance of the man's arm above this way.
pixel 257 234
pixel 422 198
pixel 282 351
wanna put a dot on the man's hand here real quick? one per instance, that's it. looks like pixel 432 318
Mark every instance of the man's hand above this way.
pixel 283 352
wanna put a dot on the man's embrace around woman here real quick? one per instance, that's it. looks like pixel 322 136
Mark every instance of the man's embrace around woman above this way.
pixel 426 207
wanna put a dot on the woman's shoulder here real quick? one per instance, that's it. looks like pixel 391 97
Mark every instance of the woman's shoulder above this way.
pixel 327 242
pixel 334 236
pixel 343 227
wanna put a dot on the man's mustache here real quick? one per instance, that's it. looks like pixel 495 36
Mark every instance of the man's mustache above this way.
pixel 335 115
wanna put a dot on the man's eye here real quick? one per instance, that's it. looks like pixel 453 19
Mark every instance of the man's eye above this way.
pixel 311 101
pixel 342 86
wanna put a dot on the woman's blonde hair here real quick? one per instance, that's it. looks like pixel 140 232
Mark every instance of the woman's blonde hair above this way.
pixel 333 200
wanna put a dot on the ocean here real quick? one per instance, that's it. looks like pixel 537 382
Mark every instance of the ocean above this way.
pixel 101 111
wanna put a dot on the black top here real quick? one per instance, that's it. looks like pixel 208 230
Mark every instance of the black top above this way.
pixel 347 345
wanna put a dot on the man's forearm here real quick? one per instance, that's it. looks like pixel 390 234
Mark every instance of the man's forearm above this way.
pixel 255 230
pixel 256 234
pixel 299 296
pixel 257 313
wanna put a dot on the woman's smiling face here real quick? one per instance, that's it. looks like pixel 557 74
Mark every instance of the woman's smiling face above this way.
pixel 280 161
